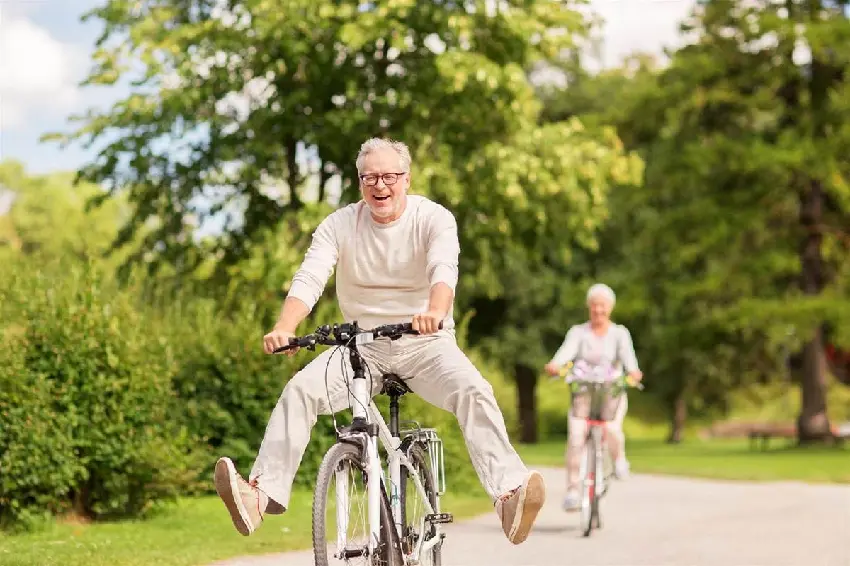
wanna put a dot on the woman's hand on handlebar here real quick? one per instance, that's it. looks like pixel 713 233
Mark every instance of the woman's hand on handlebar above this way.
pixel 277 339
pixel 635 377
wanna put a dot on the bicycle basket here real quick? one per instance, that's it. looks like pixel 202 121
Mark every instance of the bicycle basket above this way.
pixel 596 403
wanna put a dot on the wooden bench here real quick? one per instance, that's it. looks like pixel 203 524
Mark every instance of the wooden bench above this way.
pixel 754 430
pixel 760 433
pixel 765 431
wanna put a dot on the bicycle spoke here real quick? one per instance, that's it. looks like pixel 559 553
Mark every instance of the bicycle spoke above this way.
pixel 347 517
pixel 416 532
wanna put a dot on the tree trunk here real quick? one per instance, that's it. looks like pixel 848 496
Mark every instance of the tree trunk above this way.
pixel 324 175
pixel 838 362
pixel 526 385
pixel 680 415
pixel 813 424
pixel 293 175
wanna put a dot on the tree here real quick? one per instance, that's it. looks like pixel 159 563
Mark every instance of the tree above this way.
pixel 248 108
pixel 765 121
pixel 48 216
pixel 739 231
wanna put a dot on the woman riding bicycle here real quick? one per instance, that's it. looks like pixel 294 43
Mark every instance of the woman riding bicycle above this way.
pixel 597 342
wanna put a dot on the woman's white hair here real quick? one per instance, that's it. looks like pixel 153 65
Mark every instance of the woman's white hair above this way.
pixel 602 290
pixel 374 144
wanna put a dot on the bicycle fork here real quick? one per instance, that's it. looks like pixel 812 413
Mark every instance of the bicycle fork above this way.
pixel 359 407
pixel 599 446
pixel 374 493
pixel 593 480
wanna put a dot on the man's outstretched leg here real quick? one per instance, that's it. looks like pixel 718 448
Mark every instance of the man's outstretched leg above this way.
pixel 287 434
pixel 445 377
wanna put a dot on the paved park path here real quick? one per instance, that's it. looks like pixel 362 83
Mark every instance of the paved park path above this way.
pixel 660 521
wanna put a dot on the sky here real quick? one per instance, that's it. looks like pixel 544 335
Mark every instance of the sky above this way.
pixel 45 51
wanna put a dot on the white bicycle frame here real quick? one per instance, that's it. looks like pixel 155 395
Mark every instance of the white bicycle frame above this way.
pixel 363 406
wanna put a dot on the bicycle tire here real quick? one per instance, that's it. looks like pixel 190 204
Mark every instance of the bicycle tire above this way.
pixel 417 456
pixel 387 551
pixel 588 488
pixel 601 450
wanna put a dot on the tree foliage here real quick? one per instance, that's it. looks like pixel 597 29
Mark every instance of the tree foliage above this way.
pixel 48 216
pixel 251 107
pixel 736 244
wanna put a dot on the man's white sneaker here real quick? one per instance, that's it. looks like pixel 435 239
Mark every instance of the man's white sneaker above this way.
pixel 243 500
pixel 517 509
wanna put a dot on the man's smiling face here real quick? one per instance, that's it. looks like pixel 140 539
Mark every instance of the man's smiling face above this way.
pixel 384 184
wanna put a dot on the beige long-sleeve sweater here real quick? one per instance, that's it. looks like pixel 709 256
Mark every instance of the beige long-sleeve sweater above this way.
pixel 384 271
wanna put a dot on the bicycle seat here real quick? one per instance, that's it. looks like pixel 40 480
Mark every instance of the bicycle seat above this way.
pixel 393 385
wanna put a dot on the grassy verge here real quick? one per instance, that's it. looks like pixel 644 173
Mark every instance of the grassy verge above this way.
pixel 197 531
pixel 719 459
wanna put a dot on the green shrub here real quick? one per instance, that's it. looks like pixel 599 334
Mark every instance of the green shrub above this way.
pixel 118 399
pixel 90 425
pixel 37 465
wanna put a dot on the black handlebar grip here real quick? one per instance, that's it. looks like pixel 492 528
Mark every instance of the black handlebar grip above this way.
pixel 295 343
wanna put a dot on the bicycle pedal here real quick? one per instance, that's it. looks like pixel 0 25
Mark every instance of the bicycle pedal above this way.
pixel 439 518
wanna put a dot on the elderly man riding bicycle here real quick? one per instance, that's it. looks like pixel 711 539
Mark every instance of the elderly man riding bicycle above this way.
pixel 396 257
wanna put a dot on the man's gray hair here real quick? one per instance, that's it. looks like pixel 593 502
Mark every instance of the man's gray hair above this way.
pixel 374 144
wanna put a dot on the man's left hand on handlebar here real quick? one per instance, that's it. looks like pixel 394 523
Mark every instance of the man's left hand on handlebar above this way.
pixel 427 322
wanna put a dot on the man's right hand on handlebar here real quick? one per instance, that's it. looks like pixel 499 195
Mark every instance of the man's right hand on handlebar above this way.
pixel 278 338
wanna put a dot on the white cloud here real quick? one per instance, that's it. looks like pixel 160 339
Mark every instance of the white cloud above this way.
pixel 638 25
pixel 38 74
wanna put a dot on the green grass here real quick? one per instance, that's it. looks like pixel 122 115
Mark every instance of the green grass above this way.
pixel 196 531
pixel 719 459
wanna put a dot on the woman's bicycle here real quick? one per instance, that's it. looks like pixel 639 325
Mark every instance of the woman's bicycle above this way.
pixel 388 532
pixel 602 388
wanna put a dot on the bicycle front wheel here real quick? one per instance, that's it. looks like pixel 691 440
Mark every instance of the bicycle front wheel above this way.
pixel 341 513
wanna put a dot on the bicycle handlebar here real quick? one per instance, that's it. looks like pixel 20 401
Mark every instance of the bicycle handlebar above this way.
pixel 622 379
pixel 342 334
